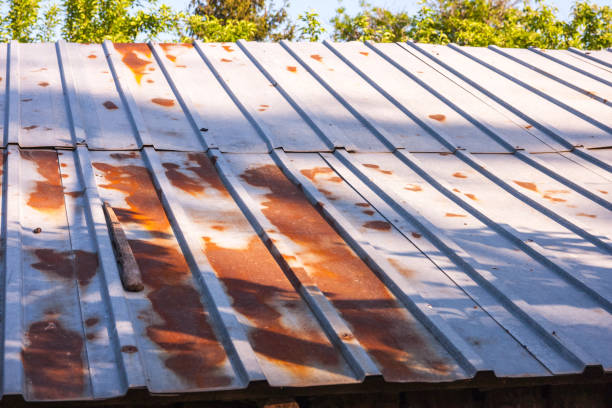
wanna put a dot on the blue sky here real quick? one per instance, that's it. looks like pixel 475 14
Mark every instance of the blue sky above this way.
pixel 326 8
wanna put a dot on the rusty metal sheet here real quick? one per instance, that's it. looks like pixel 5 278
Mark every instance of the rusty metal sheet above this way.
pixel 272 113
pixel 398 343
pixel 560 309
pixel 292 348
pixel 537 108
pixel 400 129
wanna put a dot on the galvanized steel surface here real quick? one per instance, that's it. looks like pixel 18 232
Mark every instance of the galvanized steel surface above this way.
pixel 302 214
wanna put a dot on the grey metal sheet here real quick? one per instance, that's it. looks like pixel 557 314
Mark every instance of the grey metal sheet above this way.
pixel 569 128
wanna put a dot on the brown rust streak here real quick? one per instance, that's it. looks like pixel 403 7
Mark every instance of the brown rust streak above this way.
pixel 378 225
pixel 130 58
pixel 377 319
pixel 53 362
pixel 48 195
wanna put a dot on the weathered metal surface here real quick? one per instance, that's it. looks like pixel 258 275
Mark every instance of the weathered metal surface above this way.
pixel 302 215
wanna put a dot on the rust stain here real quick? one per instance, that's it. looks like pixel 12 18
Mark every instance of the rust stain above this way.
pixel 375 317
pixel 75 194
pixel 362 205
pixel 130 57
pixel 377 168
pixel 586 215
pixel 317 57
pixel 43 84
pixel 52 361
pixel 257 287
pixel 459 175
pixel 368 212
pixel 124 156
pixel 528 126
pixel 171 57
pixel 407 272
pixel 528 185
pixel 91 56
pixel 192 350
pixel 291 69
pixel 603 191
pixel 364 53
pixel 48 195
pixel 554 199
pixel 312 173
pixel 416 235
pixel 218 227
pixel 202 168
pixel 378 225
pixel 31 127
pixel 163 102
pixel 110 105
pixel 227 48
pixel 438 116
pixel 92 321
pixel 471 196
pixel 188 184
pixel 454 215
pixel 413 187
pixel 78 264
pixel 225 60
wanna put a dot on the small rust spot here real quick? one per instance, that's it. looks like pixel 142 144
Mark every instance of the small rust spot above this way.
pixel 129 349
pixel 92 56
pixel 312 173
pixel 471 196
pixel 26 100
pixel 43 84
pixel 603 191
pixel 362 205
pixel 364 53
pixel 110 105
pixel 171 57
pixel 30 127
pixel 218 227
pixel 225 60
pixel 92 321
pixel 291 69
pixel 163 102
pixel 150 81
pixel 91 336
pixel 586 215
pixel 53 362
pixel 438 116
pixel 377 168
pixel 416 235
pixel 554 199
pixel 413 187
pixel 75 194
pixel 124 156
pixel 454 215
pixel 528 127
pixel 37 230
pixel 378 225
pixel 528 185
pixel 227 48
pixel 459 175
pixel 407 272
pixel 317 57
pixel 368 212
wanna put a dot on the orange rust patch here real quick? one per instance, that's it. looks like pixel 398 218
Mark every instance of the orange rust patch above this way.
pixel 439 117
pixel 459 175
pixel 364 53
pixel 48 195
pixel 586 215
pixel 171 57
pixel 67 265
pixel 377 168
pixel 91 56
pixel 312 173
pixel 471 196
pixel 163 102
pixel 378 225
pixel 376 318
pixel 603 191
pixel 291 69
pixel 528 185
pixel 456 190
pixel 202 168
pixel 53 362
pixel 110 105
pixel 43 84
pixel 413 187
pixel 454 215
pixel 144 206
pixel 227 48
pixel 416 235
pixel 317 57
pixel 218 227
pixel 192 350
pixel 130 58
pixel 258 288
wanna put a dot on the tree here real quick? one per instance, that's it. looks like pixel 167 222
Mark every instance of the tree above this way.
pixel 310 28
pixel 271 23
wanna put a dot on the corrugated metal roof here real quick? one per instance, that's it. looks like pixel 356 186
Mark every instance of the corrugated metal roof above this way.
pixel 302 214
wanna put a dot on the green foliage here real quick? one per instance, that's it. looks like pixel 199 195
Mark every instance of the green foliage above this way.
pixel 271 23
pixel 211 29
pixel 21 19
pixel 310 28
pixel 481 23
